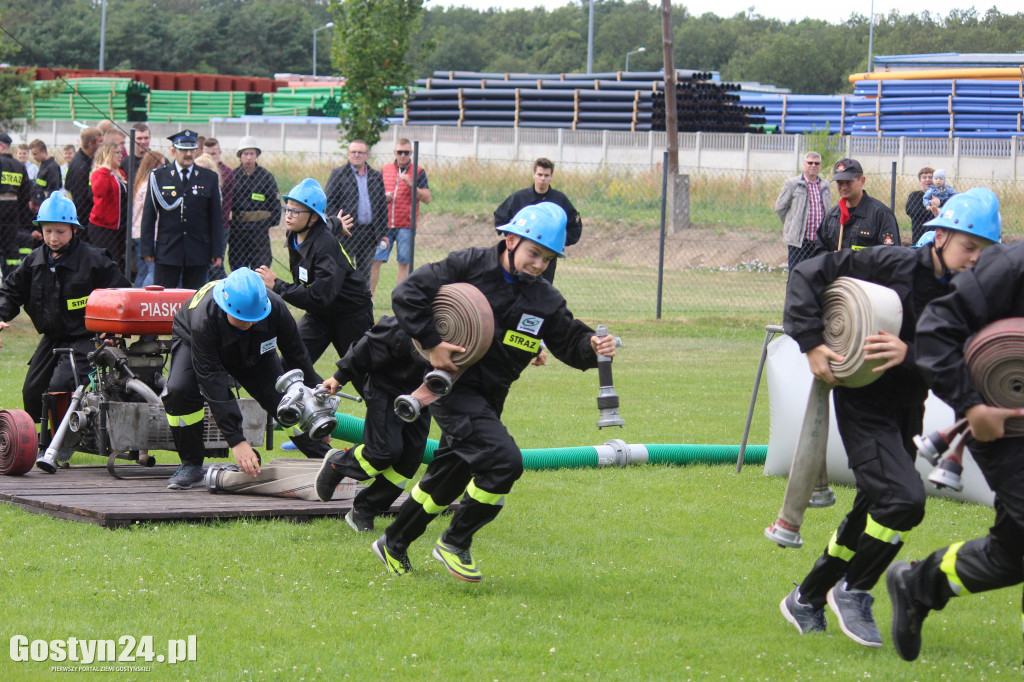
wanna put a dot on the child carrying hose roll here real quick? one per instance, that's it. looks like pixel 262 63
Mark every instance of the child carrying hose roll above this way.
pixel 477 456
pixel 991 292
pixel 877 422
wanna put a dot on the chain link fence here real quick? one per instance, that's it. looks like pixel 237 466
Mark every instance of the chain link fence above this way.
pixel 731 260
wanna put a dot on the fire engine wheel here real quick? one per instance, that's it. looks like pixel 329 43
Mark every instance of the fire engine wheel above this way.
pixel 19 443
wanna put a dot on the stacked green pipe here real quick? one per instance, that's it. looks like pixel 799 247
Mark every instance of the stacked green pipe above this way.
pixel 350 429
pixel 194 106
pixel 119 99
pixel 314 101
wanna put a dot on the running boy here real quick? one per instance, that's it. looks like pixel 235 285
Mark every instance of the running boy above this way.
pixel 991 291
pixel 877 422
pixel 477 455
pixel 382 365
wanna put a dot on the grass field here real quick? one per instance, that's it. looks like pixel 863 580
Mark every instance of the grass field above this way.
pixel 649 572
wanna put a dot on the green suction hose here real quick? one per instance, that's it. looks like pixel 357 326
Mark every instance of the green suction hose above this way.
pixel 613 453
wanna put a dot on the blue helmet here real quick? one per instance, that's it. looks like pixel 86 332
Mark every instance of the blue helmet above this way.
pixel 57 208
pixel 543 223
pixel 309 193
pixel 926 238
pixel 242 295
pixel 975 211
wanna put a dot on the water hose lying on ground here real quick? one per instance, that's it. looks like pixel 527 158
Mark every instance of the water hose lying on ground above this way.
pixel 853 310
pixel 463 317
pixel 296 478
pixel 293 478
pixel 350 429
pixel 995 363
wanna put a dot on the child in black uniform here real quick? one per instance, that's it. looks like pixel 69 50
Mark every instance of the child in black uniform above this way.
pixel 324 282
pixel 992 290
pixel 877 422
pixel 477 455
pixel 382 365
pixel 231 330
pixel 52 285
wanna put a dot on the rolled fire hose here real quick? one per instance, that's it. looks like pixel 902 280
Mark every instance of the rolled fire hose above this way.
pixel 19 443
pixel 995 363
pixel 854 309
pixel 463 317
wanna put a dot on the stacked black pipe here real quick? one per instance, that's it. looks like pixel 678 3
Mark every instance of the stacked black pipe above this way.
pixel 633 101
pixel 703 106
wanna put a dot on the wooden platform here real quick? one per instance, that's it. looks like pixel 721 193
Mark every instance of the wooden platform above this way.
pixel 91 495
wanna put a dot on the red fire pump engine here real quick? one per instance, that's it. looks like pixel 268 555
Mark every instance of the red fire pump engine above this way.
pixel 116 411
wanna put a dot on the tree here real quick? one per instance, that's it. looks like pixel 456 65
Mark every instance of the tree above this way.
pixel 16 89
pixel 369 50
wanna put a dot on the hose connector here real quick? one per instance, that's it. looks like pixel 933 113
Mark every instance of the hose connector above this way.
pixel 607 398
pixel 784 534
pixel 407 407
pixel 947 475
pixel 933 445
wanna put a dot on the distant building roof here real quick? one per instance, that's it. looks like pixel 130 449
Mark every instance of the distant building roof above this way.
pixel 947 60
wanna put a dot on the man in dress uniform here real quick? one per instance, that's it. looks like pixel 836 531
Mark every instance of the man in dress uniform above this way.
pixel 186 199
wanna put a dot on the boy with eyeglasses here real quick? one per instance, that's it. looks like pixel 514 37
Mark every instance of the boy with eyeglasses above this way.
pixel 324 281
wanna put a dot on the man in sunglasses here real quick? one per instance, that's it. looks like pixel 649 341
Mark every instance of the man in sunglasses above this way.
pixel 398 188
pixel 801 206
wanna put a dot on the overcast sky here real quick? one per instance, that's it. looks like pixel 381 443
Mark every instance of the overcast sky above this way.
pixel 833 13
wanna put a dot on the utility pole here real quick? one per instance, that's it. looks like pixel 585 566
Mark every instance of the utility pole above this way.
pixel 103 32
pixel 678 186
pixel 590 40
pixel 671 117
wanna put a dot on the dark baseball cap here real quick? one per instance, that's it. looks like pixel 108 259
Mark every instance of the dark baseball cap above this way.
pixel 847 169
pixel 5 138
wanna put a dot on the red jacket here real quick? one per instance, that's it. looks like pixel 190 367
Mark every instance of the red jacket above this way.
pixel 106 197
pixel 400 209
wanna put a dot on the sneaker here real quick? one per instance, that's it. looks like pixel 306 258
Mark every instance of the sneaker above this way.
pixel 853 609
pixel 288 445
pixel 360 523
pixel 397 563
pixel 186 476
pixel 458 562
pixel 804 617
pixel 906 618
pixel 329 476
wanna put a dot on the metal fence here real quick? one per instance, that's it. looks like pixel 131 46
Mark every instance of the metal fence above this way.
pixel 731 261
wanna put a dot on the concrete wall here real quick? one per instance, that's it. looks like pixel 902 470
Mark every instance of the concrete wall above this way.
pixel 698 152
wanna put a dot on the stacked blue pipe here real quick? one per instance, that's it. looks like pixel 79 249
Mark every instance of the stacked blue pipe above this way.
pixel 800 113
pixel 633 101
pixel 969 108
